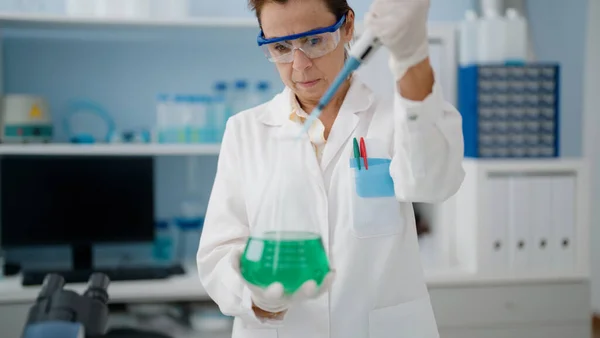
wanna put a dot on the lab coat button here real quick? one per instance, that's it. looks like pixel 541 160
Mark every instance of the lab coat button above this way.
pixel 413 117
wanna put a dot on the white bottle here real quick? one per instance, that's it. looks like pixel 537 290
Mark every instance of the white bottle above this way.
pixel 516 37
pixel 80 8
pixel 220 111
pixel 468 39
pixel 493 5
pixel 162 117
pixel 181 116
pixel 169 9
pixel 193 210
pixel 492 38
pixel 240 97
pixel 260 94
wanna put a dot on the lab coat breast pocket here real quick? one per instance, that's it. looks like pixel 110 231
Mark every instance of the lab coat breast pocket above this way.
pixel 414 319
pixel 375 208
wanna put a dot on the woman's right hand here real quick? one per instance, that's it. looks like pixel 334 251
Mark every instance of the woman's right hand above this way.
pixel 262 314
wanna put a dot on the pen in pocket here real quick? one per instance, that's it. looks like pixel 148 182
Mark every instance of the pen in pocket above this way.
pixel 356 153
pixel 363 152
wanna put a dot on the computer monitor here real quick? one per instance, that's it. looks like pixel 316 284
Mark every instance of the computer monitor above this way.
pixel 76 201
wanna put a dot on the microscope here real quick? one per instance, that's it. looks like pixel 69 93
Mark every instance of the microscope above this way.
pixel 59 313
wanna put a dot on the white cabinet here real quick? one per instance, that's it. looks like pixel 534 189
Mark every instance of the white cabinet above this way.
pixel 511 304
pixel 540 331
pixel 523 218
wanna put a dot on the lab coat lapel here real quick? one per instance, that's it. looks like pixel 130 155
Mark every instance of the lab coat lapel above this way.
pixel 358 99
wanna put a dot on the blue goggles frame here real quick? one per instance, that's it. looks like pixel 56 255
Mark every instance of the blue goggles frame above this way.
pixel 263 41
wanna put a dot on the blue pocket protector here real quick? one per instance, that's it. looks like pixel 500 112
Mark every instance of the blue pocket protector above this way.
pixel 375 181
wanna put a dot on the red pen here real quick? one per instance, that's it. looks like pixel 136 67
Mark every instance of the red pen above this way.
pixel 363 152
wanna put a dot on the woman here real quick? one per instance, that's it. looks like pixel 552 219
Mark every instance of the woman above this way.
pixel 378 290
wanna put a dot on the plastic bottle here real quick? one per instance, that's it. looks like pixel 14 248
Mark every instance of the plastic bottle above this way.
pixel 181 116
pixel 199 127
pixel 262 93
pixel 162 117
pixel 468 39
pixel 193 209
pixel 516 38
pixel 239 97
pixel 256 96
pixel 220 111
pixel 494 5
pixel 491 38
pixel 163 249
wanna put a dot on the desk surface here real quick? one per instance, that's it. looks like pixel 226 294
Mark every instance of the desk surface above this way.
pixel 177 288
pixel 188 288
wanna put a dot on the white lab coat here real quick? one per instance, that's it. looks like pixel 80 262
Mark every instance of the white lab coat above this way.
pixel 379 289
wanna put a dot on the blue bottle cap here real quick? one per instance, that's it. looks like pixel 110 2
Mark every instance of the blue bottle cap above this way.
pixel 263 85
pixel 190 223
pixel 221 85
pixel 161 225
pixel 241 84
pixel 162 97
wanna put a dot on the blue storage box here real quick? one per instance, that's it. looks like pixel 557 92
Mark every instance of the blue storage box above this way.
pixel 510 111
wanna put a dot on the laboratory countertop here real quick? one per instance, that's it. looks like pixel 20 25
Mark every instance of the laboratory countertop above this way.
pixel 188 288
pixel 185 287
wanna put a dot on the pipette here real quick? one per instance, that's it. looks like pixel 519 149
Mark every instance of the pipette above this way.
pixel 366 46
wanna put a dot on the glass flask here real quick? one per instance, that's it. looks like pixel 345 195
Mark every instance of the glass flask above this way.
pixel 285 242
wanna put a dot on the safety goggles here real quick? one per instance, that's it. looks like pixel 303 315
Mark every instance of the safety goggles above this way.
pixel 313 44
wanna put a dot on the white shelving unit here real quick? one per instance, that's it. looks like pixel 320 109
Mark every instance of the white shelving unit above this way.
pixel 506 208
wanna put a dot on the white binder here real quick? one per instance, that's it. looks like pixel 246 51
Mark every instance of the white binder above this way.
pixel 519 230
pixel 564 220
pixel 496 246
pixel 542 246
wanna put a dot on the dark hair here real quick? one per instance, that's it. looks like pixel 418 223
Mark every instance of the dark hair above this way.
pixel 337 7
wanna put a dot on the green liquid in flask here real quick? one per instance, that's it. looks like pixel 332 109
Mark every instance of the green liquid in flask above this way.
pixel 290 258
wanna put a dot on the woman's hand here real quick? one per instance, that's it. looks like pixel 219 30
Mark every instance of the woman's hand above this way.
pixel 401 25
pixel 272 302
pixel 262 314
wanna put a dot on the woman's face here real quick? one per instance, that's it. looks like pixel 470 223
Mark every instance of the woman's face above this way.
pixel 308 78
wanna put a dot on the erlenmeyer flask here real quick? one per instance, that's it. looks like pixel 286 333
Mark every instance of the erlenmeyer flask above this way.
pixel 285 245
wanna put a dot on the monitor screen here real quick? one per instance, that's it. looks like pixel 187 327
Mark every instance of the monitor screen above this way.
pixel 76 200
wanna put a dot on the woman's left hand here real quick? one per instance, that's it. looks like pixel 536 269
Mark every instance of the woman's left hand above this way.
pixel 401 25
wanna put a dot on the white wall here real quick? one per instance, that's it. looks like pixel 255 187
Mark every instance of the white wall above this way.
pixel 592 128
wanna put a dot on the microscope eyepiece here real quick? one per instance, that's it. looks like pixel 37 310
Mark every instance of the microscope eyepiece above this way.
pixel 52 283
pixel 97 287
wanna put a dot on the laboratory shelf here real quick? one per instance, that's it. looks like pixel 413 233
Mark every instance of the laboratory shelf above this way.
pixel 525 165
pixel 45 26
pixel 111 149
pixel 46 21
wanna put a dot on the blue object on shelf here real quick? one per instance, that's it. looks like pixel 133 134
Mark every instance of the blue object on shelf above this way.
pixel 190 230
pixel 85 106
pixel 164 242
pixel 510 111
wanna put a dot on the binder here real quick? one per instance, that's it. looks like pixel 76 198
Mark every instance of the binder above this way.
pixel 564 220
pixel 541 223
pixel 519 224
pixel 497 245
